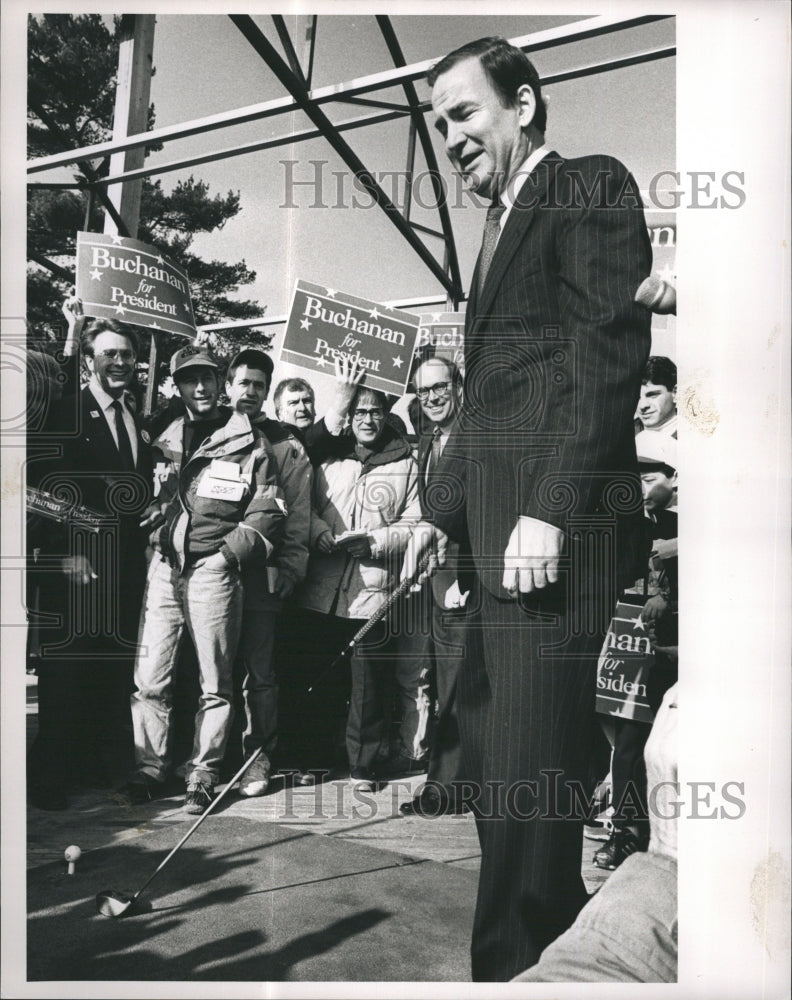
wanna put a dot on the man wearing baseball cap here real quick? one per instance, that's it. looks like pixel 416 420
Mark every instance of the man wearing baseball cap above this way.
pixel 222 509
pixel 247 385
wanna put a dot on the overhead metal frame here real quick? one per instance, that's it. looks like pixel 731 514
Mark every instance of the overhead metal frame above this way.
pixel 295 74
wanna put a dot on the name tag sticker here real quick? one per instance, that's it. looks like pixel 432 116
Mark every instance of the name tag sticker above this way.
pixel 220 489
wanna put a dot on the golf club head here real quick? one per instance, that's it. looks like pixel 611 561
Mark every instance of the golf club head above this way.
pixel 112 903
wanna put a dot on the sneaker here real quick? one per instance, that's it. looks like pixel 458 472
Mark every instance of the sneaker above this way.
pixel 141 788
pixel 198 798
pixel 256 780
pixel 362 779
pixel 621 844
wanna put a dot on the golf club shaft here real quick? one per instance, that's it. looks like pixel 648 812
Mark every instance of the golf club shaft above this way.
pixel 213 805
pixel 378 615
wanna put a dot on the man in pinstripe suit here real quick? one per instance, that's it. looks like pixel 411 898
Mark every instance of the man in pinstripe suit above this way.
pixel 544 481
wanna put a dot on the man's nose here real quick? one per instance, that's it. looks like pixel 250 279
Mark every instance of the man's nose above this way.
pixel 454 139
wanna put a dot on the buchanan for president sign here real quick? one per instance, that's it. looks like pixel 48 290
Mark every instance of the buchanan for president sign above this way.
pixel 325 324
pixel 123 279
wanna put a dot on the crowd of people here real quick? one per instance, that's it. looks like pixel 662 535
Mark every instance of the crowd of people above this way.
pixel 272 543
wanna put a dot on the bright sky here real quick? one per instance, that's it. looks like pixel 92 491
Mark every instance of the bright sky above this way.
pixel 204 65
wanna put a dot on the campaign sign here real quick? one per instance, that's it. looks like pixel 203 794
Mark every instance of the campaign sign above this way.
pixel 624 665
pixel 442 335
pixel 325 324
pixel 123 279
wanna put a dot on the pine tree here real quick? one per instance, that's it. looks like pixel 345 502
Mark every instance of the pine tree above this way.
pixel 72 64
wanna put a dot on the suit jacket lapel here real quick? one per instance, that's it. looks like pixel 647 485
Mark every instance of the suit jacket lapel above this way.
pixel 94 425
pixel 531 195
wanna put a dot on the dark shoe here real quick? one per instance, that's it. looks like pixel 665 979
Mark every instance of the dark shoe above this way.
pixel 620 845
pixel 141 788
pixel 403 766
pixel 49 797
pixel 198 798
pixel 362 779
pixel 429 804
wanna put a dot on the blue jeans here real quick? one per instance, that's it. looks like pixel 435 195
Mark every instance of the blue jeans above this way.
pixel 209 603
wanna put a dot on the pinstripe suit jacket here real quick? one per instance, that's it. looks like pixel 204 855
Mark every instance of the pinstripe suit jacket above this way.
pixel 555 348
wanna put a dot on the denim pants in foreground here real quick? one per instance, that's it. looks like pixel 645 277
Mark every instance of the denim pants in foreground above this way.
pixel 209 603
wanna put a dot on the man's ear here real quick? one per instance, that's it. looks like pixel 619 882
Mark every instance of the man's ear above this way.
pixel 526 100
pixel 227 388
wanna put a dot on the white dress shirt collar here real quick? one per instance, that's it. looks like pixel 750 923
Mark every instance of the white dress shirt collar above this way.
pixel 515 183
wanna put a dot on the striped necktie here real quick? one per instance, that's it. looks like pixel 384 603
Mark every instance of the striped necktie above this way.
pixel 490 241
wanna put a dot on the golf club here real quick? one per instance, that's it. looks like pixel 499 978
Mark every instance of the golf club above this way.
pixel 112 903
pixel 403 588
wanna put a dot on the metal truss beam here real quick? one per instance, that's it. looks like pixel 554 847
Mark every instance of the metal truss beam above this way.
pixel 419 123
pixel 285 40
pixel 610 64
pixel 286 139
pixel 297 88
pixel 587 28
pixel 50 265
pixel 85 168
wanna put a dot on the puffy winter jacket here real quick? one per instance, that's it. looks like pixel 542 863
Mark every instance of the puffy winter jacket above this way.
pixel 379 496
pixel 230 478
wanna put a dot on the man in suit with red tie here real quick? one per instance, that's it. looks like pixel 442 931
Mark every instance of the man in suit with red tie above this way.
pixel 546 481
pixel 103 461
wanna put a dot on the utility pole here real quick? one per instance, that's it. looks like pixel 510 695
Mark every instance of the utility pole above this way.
pixel 133 90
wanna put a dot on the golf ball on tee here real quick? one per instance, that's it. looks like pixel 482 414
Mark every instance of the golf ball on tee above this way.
pixel 72 853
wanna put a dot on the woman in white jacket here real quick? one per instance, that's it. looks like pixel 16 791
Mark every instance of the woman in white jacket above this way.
pixel 365 507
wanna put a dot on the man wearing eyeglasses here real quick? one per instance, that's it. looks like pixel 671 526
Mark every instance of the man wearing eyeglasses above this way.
pixel 85 672
pixel 438 388
pixel 365 506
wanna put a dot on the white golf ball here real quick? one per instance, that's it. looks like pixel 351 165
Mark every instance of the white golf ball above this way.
pixel 72 853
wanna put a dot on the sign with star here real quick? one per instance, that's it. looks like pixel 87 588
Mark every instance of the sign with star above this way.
pixel 442 335
pixel 623 668
pixel 325 324
pixel 129 281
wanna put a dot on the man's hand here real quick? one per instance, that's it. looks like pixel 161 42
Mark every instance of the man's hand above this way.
pixel 72 309
pixel 348 375
pixel 660 756
pixel 326 543
pixel 654 609
pixel 285 585
pixel 665 548
pixel 79 569
pixel 425 540
pixel 154 517
pixel 532 555
pixel 454 598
